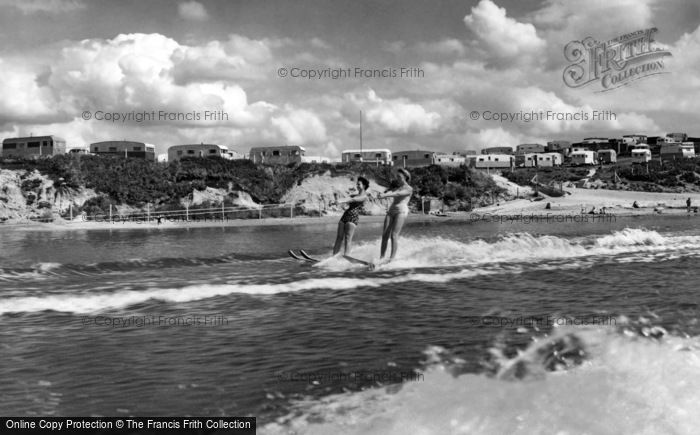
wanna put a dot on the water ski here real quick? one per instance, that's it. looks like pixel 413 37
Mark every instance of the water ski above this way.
pixel 308 257
pixel 296 257
pixel 358 261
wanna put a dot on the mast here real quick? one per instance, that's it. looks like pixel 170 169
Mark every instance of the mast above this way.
pixel 360 135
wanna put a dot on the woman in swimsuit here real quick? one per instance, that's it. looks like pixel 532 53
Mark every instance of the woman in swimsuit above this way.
pixel 351 217
pixel 396 215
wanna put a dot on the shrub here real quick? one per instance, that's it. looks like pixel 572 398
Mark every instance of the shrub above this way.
pixel 689 177
pixel 136 182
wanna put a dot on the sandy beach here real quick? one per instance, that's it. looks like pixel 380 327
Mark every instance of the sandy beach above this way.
pixel 617 202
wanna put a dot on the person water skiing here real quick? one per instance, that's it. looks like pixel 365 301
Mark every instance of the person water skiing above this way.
pixel 350 219
pixel 396 214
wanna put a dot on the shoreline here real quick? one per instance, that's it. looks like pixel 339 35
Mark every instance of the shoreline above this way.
pixel 575 204
pixel 484 214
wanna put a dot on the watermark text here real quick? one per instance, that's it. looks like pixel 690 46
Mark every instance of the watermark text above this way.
pixel 545 321
pixel 149 321
pixel 350 377
pixel 147 116
pixel 543 219
pixel 351 73
pixel 542 115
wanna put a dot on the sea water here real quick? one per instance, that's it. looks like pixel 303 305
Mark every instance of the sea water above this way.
pixel 474 328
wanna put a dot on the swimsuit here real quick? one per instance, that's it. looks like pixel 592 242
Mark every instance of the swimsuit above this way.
pixel 352 214
pixel 397 212
pixel 400 205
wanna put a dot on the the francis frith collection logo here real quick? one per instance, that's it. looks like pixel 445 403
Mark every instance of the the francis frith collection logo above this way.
pixel 614 63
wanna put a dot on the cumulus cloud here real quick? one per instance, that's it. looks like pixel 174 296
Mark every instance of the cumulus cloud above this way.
pixel 503 37
pixel 49 87
pixel 193 11
pixel 400 115
pixel 562 21
pixel 534 99
pixel 491 137
pixel 300 127
pixel 686 60
pixel 598 18
pixel 668 98
pixel 24 99
pixel 132 73
pixel 237 58
pixel 138 71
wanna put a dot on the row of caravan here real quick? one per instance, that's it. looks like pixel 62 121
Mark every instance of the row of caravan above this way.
pixel 641 153
pixel 47 146
pixel 578 157
pixel 486 161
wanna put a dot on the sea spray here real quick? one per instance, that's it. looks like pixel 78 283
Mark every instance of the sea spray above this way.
pixel 626 384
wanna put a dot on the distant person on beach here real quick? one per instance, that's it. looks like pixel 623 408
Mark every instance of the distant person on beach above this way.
pixel 348 222
pixel 688 204
pixel 635 204
pixel 397 212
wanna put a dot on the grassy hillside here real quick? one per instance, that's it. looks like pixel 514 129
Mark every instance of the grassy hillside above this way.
pixel 136 182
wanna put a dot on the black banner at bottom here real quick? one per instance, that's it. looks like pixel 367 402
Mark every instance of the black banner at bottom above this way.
pixel 128 425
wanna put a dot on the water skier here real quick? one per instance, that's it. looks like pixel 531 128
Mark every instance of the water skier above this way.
pixel 348 222
pixel 396 214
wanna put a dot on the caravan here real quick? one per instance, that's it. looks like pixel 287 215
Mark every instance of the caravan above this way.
pixel 549 160
pixel 494 161
pixel 375 156
pixel 583 157
pixel 607 156
pixel 677 151
pixel 528 160
pixel 641 155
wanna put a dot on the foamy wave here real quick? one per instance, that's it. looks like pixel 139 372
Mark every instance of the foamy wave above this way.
pixel 44 270
pixel 514 248
pixel 35 271
pixel 627 385
pixel 47 267
pixel 509 254
pixel 89 303
pixel 632 237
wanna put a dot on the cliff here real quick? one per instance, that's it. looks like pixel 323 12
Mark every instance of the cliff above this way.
pixel 49 189
pixel 29 195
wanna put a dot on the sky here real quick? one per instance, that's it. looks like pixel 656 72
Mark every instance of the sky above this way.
pixel 67 65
